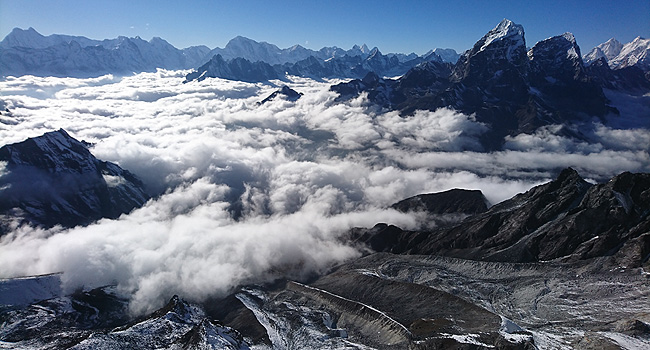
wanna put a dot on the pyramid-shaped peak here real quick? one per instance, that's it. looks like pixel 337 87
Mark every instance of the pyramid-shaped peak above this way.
pixel 506 29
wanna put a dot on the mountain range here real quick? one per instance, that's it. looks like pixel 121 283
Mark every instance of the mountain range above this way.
pixel 28 52
pixel 335 67
pixel 563 265
pixel 506 86
pixel 617 55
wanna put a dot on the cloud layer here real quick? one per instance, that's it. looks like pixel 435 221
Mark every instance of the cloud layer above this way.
pixel 297 176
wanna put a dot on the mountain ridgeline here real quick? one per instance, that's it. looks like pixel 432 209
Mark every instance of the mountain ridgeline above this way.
pixel 25 52
pixel 567 219
pixel 508 87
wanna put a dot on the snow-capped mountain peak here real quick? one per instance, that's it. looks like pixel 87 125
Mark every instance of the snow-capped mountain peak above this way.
pixel 23 38
pixel 506 29
pixel 611 48
pixel 636 52
pixel 608 50
pixel 617 55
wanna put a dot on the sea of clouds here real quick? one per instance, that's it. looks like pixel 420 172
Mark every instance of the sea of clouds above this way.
pixel 247 193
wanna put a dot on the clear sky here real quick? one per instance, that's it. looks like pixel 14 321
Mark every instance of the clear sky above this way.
pixel 393 26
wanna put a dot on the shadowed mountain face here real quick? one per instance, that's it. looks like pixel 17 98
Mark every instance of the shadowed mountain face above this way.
pixel 567 218
pixel 453 201
pixel 54 180
pixel 311 67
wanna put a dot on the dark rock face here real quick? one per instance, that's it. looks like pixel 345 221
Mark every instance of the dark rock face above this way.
pixel 557 71
pixel 312 67
pixel 567 218
pixel 235 69
pixel 288 93
pixel 631 79
pixel 448 202
pixel 54 180
pixel 499 54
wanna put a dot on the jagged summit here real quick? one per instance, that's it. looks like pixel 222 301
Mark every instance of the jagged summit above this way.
pixel 288 93
pixel 501 49
pixel 558 57
pixel 362 49
pixel 505 30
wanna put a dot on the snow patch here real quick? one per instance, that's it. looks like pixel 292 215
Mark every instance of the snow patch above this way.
pixel 466 339
pixel 114 181
pixel 626 342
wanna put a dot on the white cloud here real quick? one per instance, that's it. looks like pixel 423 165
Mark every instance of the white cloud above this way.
pixel 302 173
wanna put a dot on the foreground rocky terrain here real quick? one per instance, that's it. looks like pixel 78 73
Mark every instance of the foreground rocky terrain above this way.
pixel 585 291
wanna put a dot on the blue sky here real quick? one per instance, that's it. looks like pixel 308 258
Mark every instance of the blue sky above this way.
pixel 393 26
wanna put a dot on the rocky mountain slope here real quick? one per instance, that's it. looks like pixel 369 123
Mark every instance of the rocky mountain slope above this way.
pixel 99 319
pixel 54 180
pixel 568 219
pixel 592 294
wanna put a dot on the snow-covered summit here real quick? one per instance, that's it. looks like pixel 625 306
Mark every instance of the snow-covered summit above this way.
pixel 447 55
pixel 30 38
pixel 608 50
pixel 634 53
pixel 505 30
pixel 617 55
